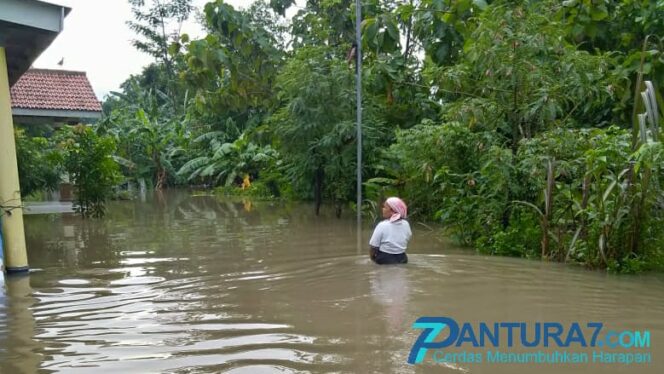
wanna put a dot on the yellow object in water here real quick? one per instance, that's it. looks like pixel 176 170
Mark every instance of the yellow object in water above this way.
pixel 246 182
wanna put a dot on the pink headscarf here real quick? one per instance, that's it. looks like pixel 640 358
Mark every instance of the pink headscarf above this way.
pixel 398 207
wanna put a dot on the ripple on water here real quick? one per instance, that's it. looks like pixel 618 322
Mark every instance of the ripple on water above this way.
pixel 74 282
pixel 134 281
pixel 206 286
pixel 262 369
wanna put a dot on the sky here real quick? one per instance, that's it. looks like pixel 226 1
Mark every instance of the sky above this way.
pixel 97 40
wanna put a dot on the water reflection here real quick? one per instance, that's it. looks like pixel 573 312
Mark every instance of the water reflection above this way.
pixel 389 287
pixel 192 283
pixel 19 352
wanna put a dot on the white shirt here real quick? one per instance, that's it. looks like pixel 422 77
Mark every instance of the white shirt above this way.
pixel 391 237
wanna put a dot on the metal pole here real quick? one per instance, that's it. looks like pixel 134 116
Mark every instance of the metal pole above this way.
pixel 358 34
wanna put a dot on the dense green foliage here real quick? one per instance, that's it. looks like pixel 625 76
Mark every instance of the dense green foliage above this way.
pixel 517 124
pixel 147 129
pixel 38 167
pixel 47 157
pixel 87 159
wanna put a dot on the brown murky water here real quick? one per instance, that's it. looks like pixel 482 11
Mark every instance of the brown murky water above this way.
pixel 189 284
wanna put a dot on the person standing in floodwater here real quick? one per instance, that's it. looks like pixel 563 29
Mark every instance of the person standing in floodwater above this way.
pixel 391 236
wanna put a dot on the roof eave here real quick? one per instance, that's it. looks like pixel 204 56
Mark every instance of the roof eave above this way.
pixel 32 116
pixel 27 28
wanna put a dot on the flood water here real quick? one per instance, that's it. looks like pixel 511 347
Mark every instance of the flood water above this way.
pixel 193 284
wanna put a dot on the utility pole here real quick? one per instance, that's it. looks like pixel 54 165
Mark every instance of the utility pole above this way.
pixel 358 35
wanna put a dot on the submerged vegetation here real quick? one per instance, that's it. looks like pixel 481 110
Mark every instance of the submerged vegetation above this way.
pixel 528 128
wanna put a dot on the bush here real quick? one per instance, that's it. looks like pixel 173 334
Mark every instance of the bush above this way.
pixel 87 157
pixel 38 166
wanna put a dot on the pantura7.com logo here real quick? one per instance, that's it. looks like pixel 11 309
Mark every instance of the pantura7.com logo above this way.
pixel 544 342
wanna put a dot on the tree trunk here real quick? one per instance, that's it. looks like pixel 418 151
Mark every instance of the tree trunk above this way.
pixel 338 206
pixel 161 179
pixel 548 207
pixel 318 188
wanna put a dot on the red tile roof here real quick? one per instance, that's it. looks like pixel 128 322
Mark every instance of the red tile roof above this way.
pixel 54 90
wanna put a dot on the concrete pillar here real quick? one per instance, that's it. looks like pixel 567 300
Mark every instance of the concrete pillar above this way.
pixel 16 257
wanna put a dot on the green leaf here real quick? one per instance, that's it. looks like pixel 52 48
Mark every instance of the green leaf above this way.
pixel 481 4
pixel 599 13
pixel 393 31
pixel 227 148
pixel 208 171
pixel 370 32
pixel 462 6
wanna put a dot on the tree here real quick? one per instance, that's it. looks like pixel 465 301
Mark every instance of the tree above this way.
pixel 323 23
pixel 228 163
pixel 38 167
pixel 315 126
pixel 518 76
pixel 233 70
pixel 87 158
pixel 159 24
pixel 149 131
pixel 631 30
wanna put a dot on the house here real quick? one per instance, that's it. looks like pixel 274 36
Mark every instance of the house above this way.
pixel 27 28
pixel 54 97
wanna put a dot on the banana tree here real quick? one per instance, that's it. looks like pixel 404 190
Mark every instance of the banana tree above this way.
pixel 227 162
